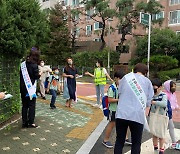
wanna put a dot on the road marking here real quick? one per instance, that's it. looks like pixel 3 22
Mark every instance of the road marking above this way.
pixel 92 139
pixel 83 83
pixel 147 146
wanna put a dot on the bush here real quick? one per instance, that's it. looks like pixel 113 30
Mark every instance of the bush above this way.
pixel 88 59
pixel 161 63
pixel 166 75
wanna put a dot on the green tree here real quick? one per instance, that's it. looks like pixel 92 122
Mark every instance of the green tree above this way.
pixel 161 63
pixel 22 25
pixel 163 42
pixel 59 45
pixel 102 12
pixel 128 14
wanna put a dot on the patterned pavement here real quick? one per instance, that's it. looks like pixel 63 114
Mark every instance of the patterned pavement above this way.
pixel 62 130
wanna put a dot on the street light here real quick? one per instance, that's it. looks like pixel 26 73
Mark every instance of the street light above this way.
pixel 109 22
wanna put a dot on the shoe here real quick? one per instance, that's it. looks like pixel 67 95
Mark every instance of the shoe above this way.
pixel 44 98
pixel 96 105
pixel 173 146
pixel 177 146
pixel 24 125
pixel 32 126
pixel 161 152
pixel 107 144
pixel 128 142
pixel 52 107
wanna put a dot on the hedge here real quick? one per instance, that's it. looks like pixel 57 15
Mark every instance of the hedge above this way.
pixel 9 81
pixel 166 75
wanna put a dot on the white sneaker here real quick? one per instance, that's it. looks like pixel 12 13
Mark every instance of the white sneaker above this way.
pixel 96 105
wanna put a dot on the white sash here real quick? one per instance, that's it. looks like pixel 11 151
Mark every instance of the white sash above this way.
pixel 139 93
pixel 31 89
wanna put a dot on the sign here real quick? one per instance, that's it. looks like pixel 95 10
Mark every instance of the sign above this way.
pixel 144 18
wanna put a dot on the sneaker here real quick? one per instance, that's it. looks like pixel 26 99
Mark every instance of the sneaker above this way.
pixel 173 146
pixel 107 144
pixel 128 142
pixel 44 98
pixel 177 146
pixel 96 105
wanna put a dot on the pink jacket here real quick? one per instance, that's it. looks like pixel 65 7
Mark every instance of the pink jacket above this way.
pixel 171 97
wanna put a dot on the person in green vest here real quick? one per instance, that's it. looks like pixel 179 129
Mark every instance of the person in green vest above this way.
pixel 100 75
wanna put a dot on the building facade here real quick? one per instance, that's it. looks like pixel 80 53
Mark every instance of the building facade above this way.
pixel 87 28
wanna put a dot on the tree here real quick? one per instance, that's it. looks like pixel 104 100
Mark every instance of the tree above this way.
pixel 59 45
pixel 163 42
pixel 102 12
pixel 128 14
pixel 22 25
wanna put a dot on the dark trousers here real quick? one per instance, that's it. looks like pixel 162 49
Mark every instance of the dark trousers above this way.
pixel 28 110
pixel 136 135
pixel 53 98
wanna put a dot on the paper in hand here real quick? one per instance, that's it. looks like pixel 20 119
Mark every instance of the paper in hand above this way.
pixel 8 96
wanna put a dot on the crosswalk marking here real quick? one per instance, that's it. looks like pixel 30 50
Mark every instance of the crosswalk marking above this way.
pixel 147 146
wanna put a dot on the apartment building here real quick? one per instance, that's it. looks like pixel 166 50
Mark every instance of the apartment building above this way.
pixel 86 29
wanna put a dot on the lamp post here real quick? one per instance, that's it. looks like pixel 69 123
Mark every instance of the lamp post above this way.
pixel 109 22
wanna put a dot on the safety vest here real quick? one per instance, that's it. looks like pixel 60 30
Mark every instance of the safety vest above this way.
pixel 100 77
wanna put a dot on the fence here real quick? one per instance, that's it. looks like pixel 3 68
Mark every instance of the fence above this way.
pixel 9 81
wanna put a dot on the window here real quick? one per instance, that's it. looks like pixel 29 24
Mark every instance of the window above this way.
pixel 76 17
pixel 89 14
pixel 157 16
pixel 174 2
pixel 75 2
pixel 88 30
pixel 98 25
pixel 64 2
pixel 97 40
pixel 77 31
pixel 126 30
pixel 177 32
pixel 175 17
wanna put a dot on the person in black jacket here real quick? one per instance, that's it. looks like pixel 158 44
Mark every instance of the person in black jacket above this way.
pixel 28 105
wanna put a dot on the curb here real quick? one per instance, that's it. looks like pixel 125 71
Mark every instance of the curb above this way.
pixel 92 139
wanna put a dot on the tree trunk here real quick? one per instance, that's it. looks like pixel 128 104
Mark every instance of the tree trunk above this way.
pixel 103 43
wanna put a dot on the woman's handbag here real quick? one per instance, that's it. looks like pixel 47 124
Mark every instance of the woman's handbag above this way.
pixel 158 123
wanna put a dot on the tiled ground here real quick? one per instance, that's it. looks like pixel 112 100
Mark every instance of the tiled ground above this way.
pixel 62 130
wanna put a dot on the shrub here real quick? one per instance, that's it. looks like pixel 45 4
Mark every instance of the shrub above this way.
pixel 88 59
pixel 161 63
pixel 166 75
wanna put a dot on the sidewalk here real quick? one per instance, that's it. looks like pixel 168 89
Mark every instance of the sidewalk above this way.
pixel 62 130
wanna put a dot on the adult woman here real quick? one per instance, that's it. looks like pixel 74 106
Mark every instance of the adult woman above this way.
pixel 29 69
pixel 130 111
pixel 99 76
pixel 70 74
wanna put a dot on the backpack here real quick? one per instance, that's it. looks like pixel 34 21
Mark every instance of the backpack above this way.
pixel 105 103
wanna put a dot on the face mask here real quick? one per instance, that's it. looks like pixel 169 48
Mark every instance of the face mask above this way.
pixel 173 90
pixel 155 91
pixel 70 62
pixel 42 64
pixel 56 72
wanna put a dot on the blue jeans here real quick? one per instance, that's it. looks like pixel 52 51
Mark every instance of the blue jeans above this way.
pixel 99 92
pixel 53 98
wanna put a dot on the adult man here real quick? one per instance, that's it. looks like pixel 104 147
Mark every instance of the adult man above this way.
pixel 45 70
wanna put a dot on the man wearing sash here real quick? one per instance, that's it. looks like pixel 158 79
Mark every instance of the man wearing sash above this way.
pixel 29 73
pixel 135 94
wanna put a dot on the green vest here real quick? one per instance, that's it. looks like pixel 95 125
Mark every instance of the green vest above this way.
pixel 100 77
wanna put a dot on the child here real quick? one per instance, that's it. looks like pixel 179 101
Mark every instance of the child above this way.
pixel 113 100
pixel 170 88
pixel 53 86
pixel 159 100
